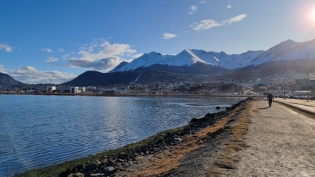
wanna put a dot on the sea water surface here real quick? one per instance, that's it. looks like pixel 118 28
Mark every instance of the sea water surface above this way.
pixel 38 131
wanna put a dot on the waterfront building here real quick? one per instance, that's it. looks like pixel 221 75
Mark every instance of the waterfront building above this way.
pixel 77 89
pixel 51 88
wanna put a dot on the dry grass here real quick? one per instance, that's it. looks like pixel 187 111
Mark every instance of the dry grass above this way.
pixel 228 158
pixel 169 160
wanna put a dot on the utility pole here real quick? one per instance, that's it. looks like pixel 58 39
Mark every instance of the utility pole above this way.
pixel 307 86
pixel 308 83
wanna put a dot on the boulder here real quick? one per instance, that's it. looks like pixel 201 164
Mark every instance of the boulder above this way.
pixel 90 167
pixel 76 175
pixel 123 156
pixel 109 170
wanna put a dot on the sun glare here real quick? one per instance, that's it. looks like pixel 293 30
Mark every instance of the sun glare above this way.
pixel 313 14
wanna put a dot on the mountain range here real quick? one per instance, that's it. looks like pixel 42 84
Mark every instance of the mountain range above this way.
pixel 218 62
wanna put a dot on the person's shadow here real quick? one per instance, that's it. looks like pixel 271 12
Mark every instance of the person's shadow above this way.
pixel 265 107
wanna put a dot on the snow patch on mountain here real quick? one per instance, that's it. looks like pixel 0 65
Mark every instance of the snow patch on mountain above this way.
pixel 275 52
pixel 227 61
pixel 303 51
pixel 186 57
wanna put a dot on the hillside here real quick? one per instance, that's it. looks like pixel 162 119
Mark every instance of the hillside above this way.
pixel 6 80
pixel 95 78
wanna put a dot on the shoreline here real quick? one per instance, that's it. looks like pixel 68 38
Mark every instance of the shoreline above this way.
pixel 128 95
pixel 110 161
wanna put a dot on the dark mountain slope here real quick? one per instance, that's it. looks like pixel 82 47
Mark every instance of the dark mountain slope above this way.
pixel 7 80
pixel 94 78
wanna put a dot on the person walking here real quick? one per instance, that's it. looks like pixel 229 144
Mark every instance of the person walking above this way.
pixel 270 98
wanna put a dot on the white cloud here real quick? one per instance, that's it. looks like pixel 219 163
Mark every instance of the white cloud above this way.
pixel 65 56
pixel 202 2
pixel 168 36
pixel 31 75
pixel 235 19
pixel 205 25
pixel 101 55
pixel 208 24
pixel 46 50
pixel 5 47
pixel 61 50
pixel 192 10
pixel 137 55
pixel 51 60
pixel 2 70
pixel 229 7
pixel 102 64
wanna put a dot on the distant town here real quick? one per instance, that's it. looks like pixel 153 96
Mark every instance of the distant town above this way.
pixel 281 87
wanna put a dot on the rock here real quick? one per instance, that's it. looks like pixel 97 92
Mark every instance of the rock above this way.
pixel 110 163
pixel 194 120
pixel 101 165
pixel 228 109
pixel 209 115
pixel 119 161
pixel 90 167
pixel 76 175
pixel 96 172
pixel 64 174
pixel 218 107
pixel 109 170
pixel 123 156
pixel 78 168
pixel 176 140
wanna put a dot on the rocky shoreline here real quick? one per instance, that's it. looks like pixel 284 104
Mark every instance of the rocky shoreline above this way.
pixel 109 162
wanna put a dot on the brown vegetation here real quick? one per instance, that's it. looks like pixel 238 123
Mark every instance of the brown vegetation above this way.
pixel 228 158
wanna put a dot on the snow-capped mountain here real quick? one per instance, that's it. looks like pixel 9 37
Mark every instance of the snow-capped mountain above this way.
pixel 287 50
pixel 275 51
pixel 227 61
pixel 188 58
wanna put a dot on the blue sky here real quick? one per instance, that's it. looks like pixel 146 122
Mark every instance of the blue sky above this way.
pixel 54 41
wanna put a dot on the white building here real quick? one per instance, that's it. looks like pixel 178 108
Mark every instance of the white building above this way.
pixel 302 93
pixel 51 88
pixel 77 89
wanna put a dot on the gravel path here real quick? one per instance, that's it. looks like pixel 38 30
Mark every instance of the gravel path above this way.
pixel 281 143
pixel 255 141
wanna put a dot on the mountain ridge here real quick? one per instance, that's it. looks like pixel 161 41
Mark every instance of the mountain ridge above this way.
pixel 286 50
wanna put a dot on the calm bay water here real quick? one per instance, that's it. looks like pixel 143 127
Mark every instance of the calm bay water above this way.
pixel 38 131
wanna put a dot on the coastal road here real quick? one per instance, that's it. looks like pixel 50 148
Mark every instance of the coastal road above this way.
pixel 281 142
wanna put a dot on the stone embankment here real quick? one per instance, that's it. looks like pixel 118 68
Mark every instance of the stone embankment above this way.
pixel 126 161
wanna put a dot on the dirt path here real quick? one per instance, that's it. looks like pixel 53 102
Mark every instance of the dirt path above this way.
pixel 281 142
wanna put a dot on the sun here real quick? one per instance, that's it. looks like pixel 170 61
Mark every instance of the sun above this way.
pixel 313 14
